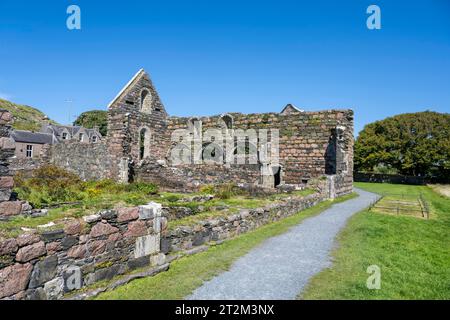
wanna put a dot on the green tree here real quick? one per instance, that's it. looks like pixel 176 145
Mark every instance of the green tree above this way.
pixel 410 144
pixel 91 119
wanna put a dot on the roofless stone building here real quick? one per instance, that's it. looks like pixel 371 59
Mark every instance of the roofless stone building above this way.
pixel 140 145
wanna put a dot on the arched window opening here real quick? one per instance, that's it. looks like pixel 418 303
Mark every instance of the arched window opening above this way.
pixel 227 122
pixel 146 101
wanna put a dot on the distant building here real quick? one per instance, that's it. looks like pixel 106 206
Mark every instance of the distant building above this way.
pixel 77 133
pixel 29 144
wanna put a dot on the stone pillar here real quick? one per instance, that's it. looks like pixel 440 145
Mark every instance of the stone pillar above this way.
pixel 150 244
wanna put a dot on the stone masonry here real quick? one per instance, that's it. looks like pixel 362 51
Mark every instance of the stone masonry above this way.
pixel 8 205
pixel 139 145
pixel 50 263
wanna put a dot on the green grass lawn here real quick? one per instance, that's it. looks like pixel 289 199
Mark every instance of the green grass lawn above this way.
pixel 413 254
pixel 188 273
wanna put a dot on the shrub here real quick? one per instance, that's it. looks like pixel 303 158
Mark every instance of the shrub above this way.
pixel 49 185
pixel 207 189
pixel 226 191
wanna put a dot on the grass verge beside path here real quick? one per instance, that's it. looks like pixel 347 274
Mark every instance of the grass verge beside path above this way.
pixel 413 254
pixel 188 273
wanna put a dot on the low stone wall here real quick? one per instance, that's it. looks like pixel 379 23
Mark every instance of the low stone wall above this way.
pixel 396 178
pixel 46 265
pixel 187 237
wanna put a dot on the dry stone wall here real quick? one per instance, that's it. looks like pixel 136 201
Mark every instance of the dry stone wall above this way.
pixel 218 229
pixel 48 264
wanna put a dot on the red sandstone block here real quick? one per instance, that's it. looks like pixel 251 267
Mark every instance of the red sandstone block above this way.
pixel 10 208
pixel 127 214
pixel 31 252
pixel 8 246
pixel 14 279
pixel 102 229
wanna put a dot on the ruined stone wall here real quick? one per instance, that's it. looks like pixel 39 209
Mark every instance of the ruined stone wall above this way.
pixel 311 144
pixel 216 229
pixel 91 161
pixel 189 177
pixel 136 124
pixel 6 153
pixel 9 206
pixel 48 264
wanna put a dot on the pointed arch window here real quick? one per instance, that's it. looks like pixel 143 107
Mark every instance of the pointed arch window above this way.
pixel 146 101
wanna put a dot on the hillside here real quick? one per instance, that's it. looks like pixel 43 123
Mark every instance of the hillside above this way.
pixel 94 118
pixel 25 117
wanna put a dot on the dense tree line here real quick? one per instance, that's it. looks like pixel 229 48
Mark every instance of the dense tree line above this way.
pixel 411 144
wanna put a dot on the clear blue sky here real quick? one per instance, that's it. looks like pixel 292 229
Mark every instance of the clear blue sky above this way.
pixel 208 57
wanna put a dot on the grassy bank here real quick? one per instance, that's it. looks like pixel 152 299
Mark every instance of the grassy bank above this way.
pixel 188 273
pixel 413 254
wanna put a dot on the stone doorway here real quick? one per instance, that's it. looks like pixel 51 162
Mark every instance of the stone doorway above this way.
pixel 276 176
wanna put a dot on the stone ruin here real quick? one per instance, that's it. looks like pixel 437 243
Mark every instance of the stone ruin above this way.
pixel 312 146
pixel 9 205
pixel 139 145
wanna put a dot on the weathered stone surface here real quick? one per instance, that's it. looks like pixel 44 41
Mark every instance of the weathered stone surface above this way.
pixel 92 218
pixel 36 294
pixel 138 263
pixel 136 229
pixel 52 235
pixel 6 182
pixel 8 246
pixel 26 239
pixel 112 238
pixel 31 252
pixel 108 214
pixel 5 195
pixel 54 289
pixel 14 279
pixel 127 214
pixel 158 259
pixel 73 279
pixel 96 247
pixel 146 245
pixel 150 210
pixel 10 208
pixel 73 227
pixel 43 271
pixel 106 273
pixel 77 252
pixel 102 229
pixel 68 242
pixel 53 247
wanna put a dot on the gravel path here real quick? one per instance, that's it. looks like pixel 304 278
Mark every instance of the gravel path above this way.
pixel 281 266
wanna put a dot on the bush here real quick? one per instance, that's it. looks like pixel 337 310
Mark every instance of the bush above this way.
pixel 49 185
pixel 207 189
pixel 226 191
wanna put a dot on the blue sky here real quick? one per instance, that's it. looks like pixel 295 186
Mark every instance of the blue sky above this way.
pixel 209 57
